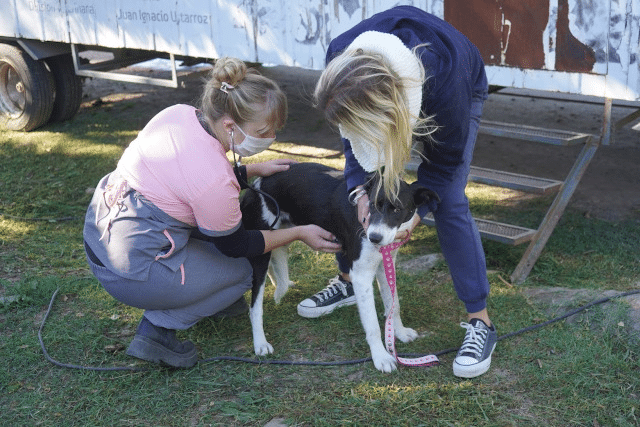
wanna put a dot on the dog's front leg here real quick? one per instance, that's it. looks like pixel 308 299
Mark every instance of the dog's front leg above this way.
pixel 260 344
pixel 259 264
pixel 402 333
pixel 279 272
pixel 362 275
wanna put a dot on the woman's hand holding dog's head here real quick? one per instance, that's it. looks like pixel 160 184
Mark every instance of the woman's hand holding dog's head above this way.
pixel 364 214
pixel 402 235
pixel 363 211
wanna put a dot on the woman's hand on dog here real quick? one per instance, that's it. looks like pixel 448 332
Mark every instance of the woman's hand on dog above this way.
pixel 268 168
pixel 319 239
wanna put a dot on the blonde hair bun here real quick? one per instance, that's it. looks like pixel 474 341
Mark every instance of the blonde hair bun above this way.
pixel 228 70
pixel 247 95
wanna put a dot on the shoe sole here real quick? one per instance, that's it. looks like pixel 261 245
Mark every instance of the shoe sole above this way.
pixel 313 312
pixel 149 350
pixel 472 371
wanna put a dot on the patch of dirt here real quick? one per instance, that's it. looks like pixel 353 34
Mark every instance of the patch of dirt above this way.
pixel 561 301
pixel 609 189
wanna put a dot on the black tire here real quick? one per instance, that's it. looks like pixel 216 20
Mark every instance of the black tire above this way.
pixel 68 95
pixel 26 90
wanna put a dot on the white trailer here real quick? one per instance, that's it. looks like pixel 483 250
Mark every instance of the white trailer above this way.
pixel 525 43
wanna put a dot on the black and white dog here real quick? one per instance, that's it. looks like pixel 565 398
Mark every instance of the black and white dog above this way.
pixel 310 193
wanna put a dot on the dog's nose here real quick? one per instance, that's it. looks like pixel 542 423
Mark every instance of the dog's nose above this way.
pixel 375 238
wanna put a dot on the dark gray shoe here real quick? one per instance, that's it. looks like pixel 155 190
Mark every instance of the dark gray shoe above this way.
pixel 474 357
pixel 160 345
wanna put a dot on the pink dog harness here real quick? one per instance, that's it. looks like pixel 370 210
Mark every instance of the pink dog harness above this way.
pixel 390 272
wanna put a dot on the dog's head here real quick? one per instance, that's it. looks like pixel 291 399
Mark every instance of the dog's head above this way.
pixel 388 217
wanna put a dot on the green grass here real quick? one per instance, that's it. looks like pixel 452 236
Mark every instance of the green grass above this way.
pixel 584 372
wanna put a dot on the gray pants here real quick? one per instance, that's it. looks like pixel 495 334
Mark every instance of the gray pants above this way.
pixel 213 282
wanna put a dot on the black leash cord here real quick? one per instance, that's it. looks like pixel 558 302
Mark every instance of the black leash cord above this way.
pixel 303 363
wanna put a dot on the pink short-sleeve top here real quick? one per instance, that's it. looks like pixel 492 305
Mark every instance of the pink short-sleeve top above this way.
pixel 184 171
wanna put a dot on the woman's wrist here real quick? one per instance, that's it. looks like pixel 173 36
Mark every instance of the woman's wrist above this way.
pixel 299 231
pixel 356 194
pixel 280 237
pixel 251 170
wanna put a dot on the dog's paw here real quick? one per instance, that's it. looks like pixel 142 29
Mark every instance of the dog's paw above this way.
pixel 384 362
pixel 406 334
pixel 262 349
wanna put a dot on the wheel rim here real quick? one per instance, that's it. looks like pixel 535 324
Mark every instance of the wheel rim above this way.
pixel 12 91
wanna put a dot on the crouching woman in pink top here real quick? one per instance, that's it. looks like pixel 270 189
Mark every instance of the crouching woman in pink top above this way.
pixel 164 230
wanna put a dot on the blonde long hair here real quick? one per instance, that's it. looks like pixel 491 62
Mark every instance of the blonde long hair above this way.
pixel 360 92
pixel 250 94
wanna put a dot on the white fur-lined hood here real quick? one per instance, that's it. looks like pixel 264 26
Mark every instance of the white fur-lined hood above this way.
pixel 406 65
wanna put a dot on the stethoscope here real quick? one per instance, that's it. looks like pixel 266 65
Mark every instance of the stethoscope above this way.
pixel 236 168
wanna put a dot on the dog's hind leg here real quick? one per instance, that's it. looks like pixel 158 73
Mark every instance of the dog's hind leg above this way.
pixel 403 333
pixel 279 272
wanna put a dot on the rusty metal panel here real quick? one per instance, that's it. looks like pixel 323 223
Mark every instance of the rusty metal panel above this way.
pixel 531 34
pixel 575 46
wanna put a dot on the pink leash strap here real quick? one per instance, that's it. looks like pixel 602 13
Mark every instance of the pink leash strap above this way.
pixel 390 339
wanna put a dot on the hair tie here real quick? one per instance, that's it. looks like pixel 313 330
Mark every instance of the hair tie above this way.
pixel 224 86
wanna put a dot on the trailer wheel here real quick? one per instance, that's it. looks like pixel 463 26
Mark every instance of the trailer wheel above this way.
pixel 68 88
pixel 26 90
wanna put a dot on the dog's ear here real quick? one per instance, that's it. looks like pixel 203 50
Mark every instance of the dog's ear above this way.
pixel 422 195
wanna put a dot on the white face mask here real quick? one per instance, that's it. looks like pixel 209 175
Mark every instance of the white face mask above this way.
pixel 251 144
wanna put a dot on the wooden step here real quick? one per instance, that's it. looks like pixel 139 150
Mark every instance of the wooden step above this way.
pixel 499 232
pixel 531 133
pixel 514 181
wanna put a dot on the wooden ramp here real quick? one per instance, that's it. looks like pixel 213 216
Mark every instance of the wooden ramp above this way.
pixel 514 234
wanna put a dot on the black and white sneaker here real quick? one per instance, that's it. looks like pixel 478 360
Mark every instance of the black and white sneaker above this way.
pixel 474 357
pixel 339 293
